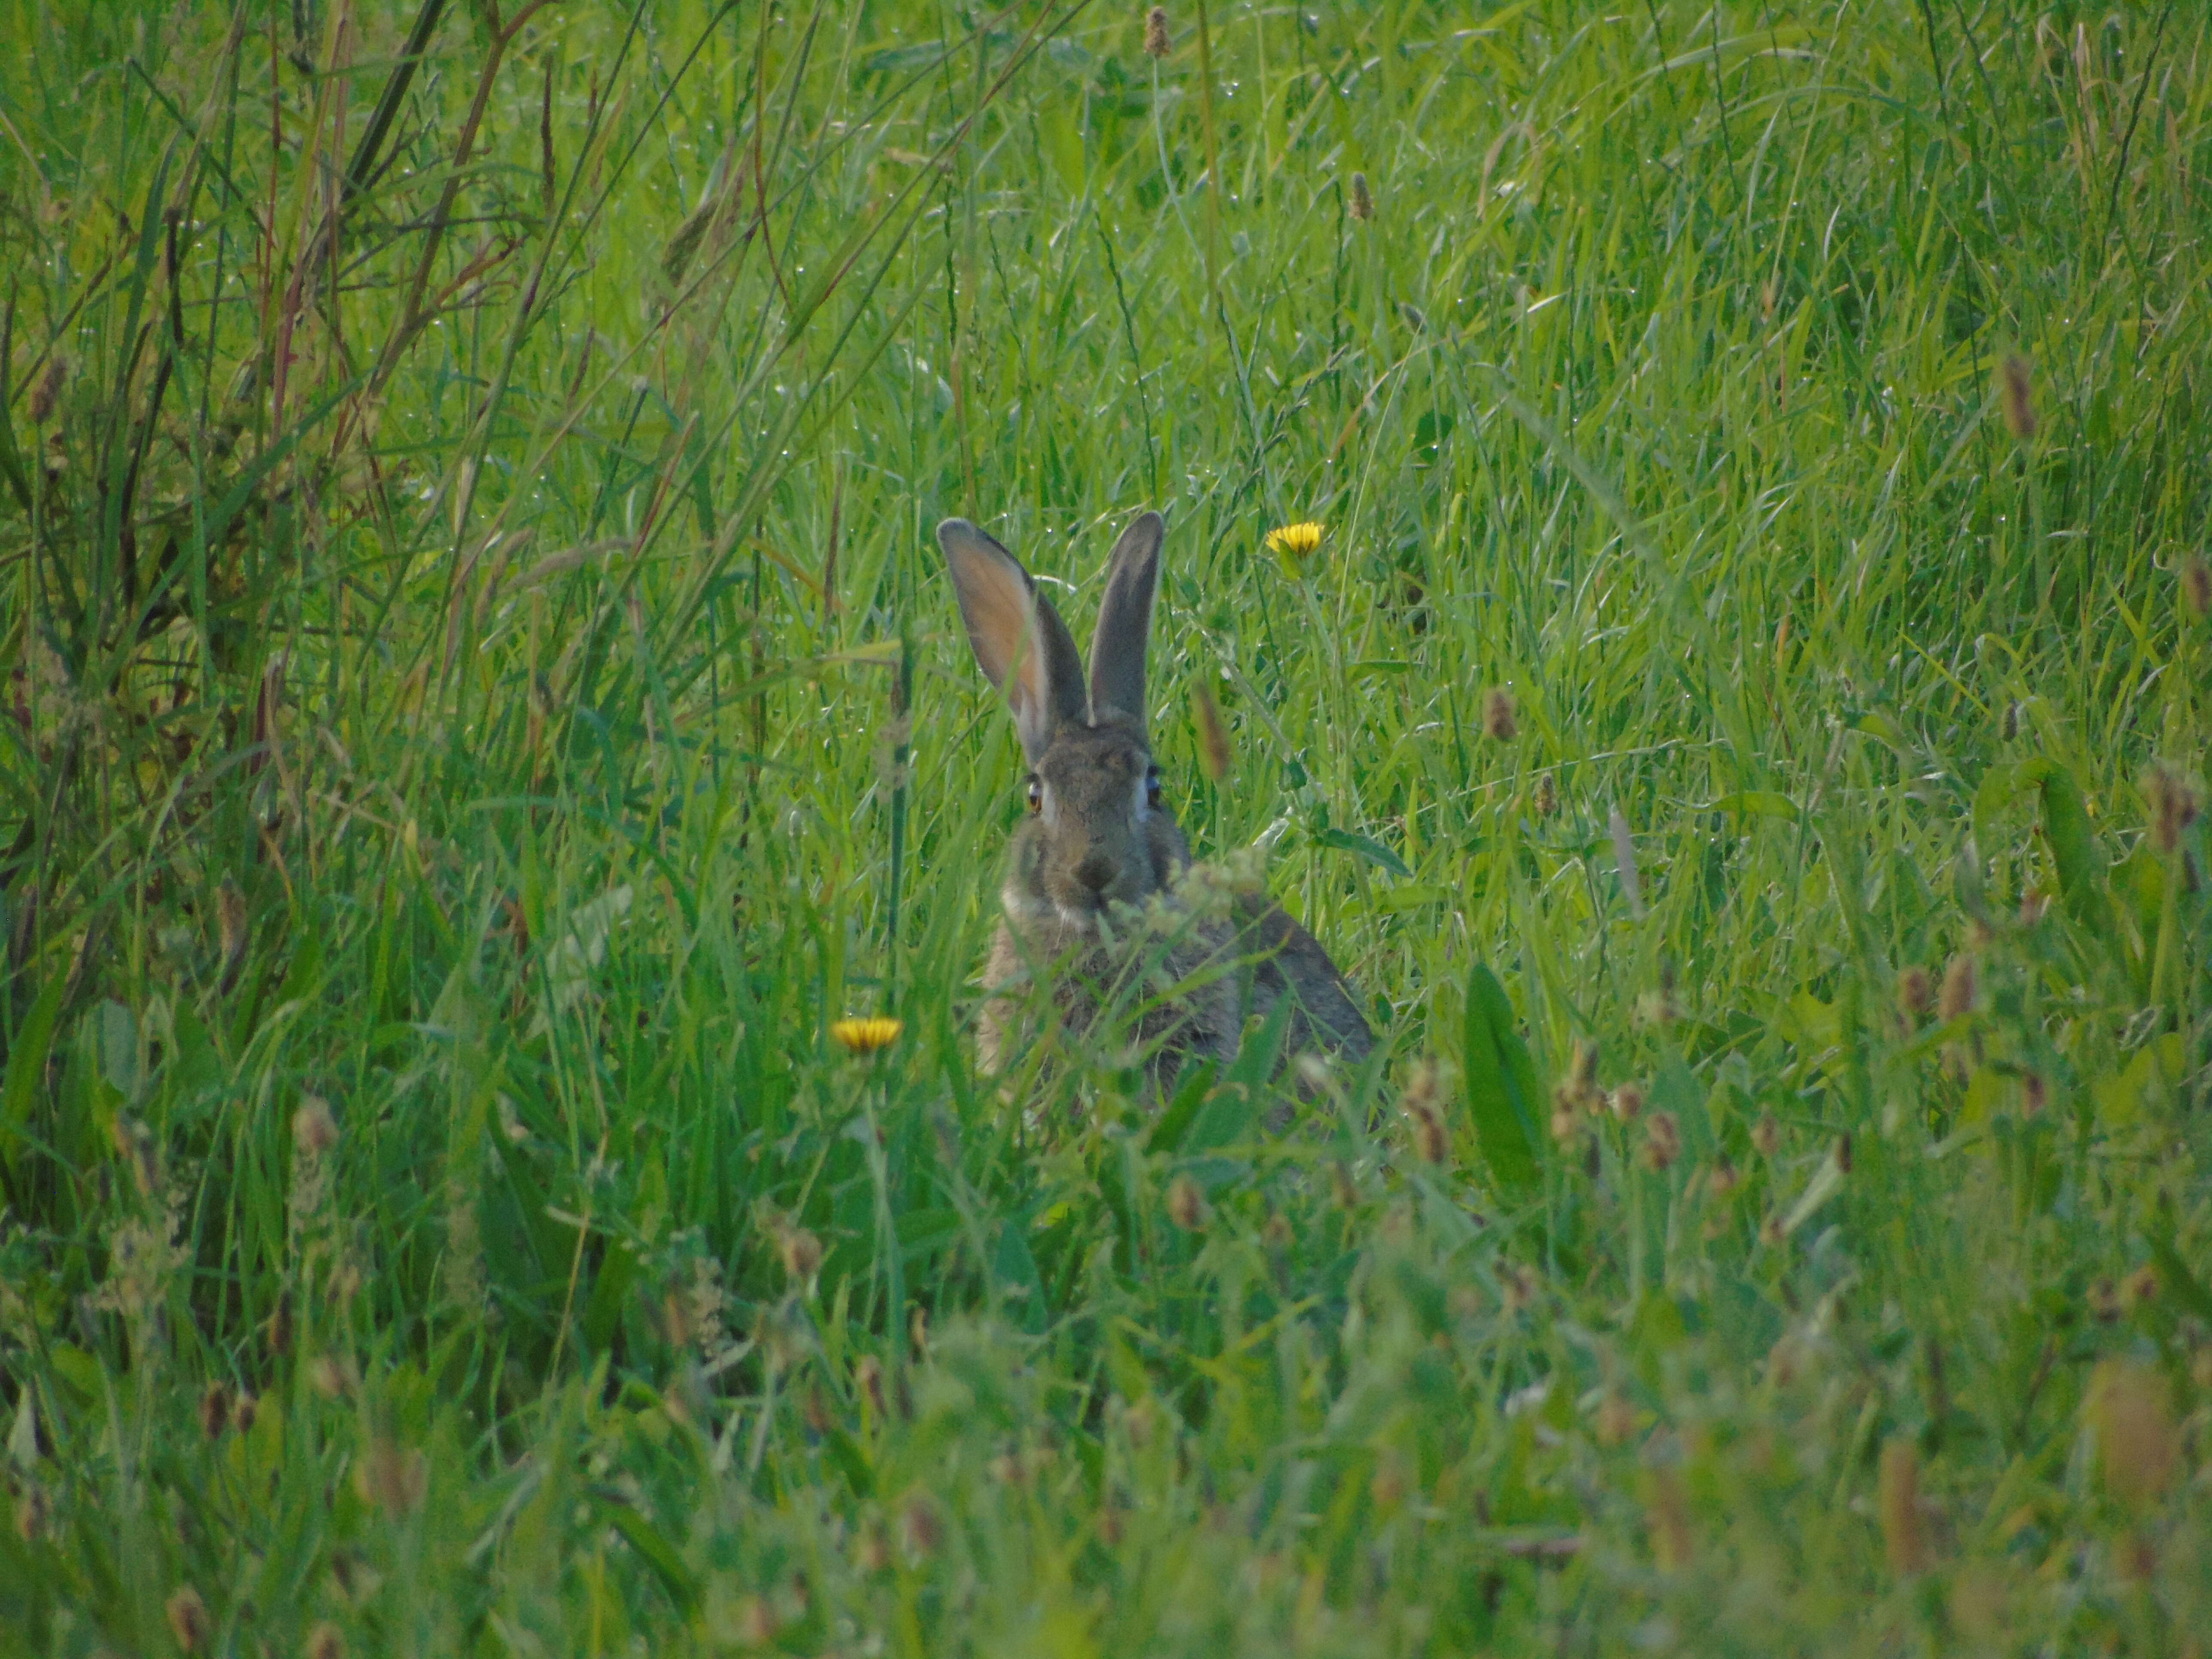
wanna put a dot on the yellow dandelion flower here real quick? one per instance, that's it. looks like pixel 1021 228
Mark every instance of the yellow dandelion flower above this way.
pixel 865 1037
pixel 1292 544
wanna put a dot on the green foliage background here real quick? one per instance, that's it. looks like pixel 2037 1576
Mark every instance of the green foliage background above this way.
pixel 483 700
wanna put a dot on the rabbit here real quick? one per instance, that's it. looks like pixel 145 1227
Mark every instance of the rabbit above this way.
pixel 1097 903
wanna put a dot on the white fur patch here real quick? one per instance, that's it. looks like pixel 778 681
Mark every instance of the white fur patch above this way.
pixel 1022 905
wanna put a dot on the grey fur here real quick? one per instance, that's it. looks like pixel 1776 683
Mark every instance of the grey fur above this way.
pixel 1091 909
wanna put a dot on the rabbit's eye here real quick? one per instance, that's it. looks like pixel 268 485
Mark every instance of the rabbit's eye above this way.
pixel 1037 794
pixel 1152 789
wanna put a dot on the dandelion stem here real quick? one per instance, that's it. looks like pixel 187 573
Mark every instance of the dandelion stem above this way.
pixel 902 700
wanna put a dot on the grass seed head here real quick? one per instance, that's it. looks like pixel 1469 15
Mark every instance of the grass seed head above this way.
pixel 1185 1203
pixel 755 1624
pixel 1138 1422
pixel 2104 1299
pixel 1668 1513
pixel 2018 399
pixel 1766 1135
pixel 2173 808
pixel 801 1252
pixel 325 1642
pixel 872 1549
pixel 1424 1113
pixel 869 1374
pixel 1957 1060
pixel 33 1512
pixel 134 1142
pixel 1363 199
pixel 1566 1122
pixel 215 1411
pixel 47 395
pixel 2131 1410
pixel 1916 993
pixel 923 1531
pixel 1663 1140
pixel 2034 1094
pixel 188 1620
pixel 1498 722
pixel 1616 1419
pixel 1724 1179
pixel 1518 1286
pixel 1627 1101
pixel 1213 751
pixel 394 1477
pixel 1959 988
pixel 1786 1360
pixel 1389 1486
pixel 1580 1087
pixel 1157 44
pixel 231 924
pixel 314 1131
pixel 1547 796
pixel 1903 1539
pixel 327 1376
pixel 2196 587
pixel 1341 1186
pixel 243 1411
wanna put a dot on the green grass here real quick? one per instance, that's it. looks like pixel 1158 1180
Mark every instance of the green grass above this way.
pixel 485 698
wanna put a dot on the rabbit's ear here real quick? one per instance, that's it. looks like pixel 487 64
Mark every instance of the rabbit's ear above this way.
pixel 1020 643
pixel 1125 621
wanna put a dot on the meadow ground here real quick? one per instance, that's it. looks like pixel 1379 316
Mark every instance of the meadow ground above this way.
pixel 484 699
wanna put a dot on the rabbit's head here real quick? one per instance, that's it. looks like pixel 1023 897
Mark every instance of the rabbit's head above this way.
pixel 1098 833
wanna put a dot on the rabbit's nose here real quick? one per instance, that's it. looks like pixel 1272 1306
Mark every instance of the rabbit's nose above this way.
pixel 1096 872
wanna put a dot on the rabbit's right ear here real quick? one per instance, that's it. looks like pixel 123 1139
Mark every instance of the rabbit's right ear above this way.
pixel 1125 620
pixel 1020 643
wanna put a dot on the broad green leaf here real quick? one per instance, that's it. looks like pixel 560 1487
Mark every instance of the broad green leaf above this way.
pixel 1395 901
pixel 2074 847
pixel 659 1554
pixel 1168 1134
pixel 2183 1286
pixel 27 1062
pixel 1503 1094
pixel 2157 1064
pixel 1373 851
pixel 1758 804
pixel 1998 788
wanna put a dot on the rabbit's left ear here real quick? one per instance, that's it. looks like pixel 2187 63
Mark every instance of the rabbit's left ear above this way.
pixel 1020 643
pixel 1125 621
